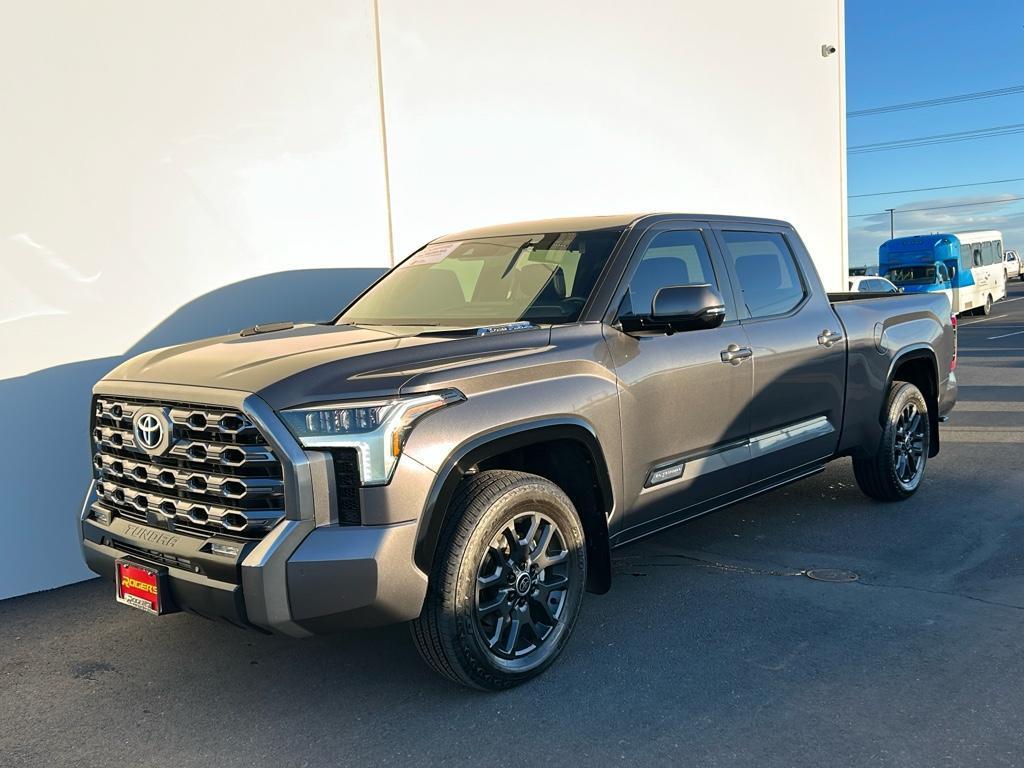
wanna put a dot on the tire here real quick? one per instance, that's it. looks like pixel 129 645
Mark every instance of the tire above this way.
pixel 885 476
pixel 986 310
pixel 492 556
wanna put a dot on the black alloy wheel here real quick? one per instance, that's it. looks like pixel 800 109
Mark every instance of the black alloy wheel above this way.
pixel 507 582
pixel 895 470
pixel 522 585
pixel 909 447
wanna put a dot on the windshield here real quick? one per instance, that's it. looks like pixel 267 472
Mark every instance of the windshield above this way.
pixel 543 278
pixel 923 275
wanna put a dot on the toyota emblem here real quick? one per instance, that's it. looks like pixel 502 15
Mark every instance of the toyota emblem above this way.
pixel 149 431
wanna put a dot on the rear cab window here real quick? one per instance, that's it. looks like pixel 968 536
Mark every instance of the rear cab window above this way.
pixel 769 280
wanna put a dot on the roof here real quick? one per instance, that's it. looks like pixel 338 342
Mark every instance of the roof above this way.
pixel 981 235
pixel 590 223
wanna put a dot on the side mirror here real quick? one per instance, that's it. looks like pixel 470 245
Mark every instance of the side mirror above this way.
pixel 679 308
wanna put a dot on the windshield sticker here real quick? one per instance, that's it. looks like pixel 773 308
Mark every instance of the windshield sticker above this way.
pixel 434 253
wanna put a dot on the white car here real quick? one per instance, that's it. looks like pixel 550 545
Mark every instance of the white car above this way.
pixel 871 284
pixel 1012 266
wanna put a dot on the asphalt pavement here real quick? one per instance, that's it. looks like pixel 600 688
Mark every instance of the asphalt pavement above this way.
pixel 712 649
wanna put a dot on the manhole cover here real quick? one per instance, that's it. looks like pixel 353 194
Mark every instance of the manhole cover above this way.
pixel 831 574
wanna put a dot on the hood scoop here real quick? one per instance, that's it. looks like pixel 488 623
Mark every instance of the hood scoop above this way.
pixel 266 328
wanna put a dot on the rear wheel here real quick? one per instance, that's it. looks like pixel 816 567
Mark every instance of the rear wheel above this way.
pixel 987 309
pixel 507 583
pixel 895 471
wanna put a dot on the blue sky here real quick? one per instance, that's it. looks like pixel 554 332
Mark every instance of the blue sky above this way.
pixel 899 51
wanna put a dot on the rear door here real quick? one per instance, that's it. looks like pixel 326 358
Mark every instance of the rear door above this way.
pixel 683 408
pixel 799 353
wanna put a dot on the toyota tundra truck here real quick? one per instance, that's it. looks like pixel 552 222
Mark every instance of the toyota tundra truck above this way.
pixel 464 445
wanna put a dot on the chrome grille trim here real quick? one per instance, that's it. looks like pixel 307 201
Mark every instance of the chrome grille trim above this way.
pixel 220 475
pixel 146 476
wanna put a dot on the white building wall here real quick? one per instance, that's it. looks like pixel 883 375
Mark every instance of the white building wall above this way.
pixel 528 109
pixel 171 171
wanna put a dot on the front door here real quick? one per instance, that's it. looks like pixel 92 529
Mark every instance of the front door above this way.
pixel 683 407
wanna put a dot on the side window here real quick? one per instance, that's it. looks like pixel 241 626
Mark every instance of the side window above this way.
pixel 677 257
pixel 768 276
pixel 988 253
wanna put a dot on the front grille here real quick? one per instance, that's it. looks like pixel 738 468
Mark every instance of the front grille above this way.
pixel 216 474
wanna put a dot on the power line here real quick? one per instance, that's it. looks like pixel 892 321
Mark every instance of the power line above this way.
pixel 937 207
pixel 932 189
pixel 959 98
pixel 939 138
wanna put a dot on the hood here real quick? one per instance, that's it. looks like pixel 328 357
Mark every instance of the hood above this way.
pixel 320 363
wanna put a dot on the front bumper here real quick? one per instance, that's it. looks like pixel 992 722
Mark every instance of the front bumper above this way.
pixel 308 575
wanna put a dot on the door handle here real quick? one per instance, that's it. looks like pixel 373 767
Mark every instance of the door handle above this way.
pixel 734 354
pixel 827 338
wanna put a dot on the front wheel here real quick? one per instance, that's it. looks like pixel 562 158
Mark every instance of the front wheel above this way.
pixel 895 471
pixel 987 309
pixel 507 583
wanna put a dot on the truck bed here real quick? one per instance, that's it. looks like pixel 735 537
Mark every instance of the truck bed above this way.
pixel 878 328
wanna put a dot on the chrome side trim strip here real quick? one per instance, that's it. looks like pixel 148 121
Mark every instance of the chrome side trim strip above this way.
pixel 675 518
pixel 728 457
pixel 787 437
pixel 754 448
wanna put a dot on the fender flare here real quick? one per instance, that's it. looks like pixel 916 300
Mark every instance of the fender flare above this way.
pixel 918 352
pixel 488 444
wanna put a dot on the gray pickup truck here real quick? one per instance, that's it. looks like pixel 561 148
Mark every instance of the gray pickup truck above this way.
pixel 464 445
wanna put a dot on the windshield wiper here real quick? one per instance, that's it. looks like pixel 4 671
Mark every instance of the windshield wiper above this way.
pixel 515 257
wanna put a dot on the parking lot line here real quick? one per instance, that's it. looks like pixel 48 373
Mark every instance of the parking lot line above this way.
pixel 987 406
pixel 1003 336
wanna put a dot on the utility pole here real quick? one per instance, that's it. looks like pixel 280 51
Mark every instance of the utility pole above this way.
pixel 892 231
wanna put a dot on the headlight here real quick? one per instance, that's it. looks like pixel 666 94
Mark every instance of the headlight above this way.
pixel 377 430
